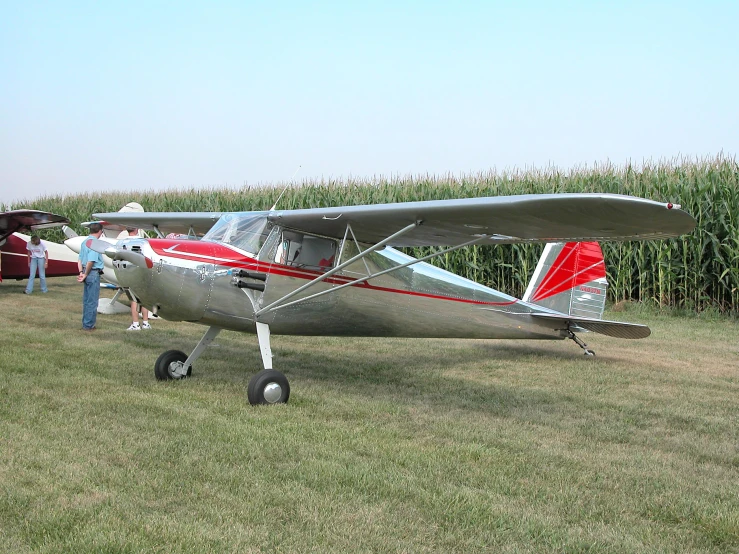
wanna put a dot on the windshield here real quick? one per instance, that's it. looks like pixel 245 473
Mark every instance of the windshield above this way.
pixel 244 231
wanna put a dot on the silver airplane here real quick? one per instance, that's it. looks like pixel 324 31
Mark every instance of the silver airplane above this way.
pixel 336 272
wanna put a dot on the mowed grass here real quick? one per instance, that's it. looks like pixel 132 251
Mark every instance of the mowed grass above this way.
pixel 387 445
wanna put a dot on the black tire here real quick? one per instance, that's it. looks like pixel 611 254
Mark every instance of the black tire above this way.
pixel 267 381
pixel 161 366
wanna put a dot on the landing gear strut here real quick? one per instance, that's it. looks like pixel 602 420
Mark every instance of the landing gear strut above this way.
pixel 269 386
pixel 174 364
pixel 580 343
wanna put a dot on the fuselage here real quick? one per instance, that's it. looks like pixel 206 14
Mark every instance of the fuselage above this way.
pixel 193 280
pixel 14 258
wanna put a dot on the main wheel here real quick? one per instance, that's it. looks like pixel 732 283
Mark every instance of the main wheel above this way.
pixel 268 387
pixel 164 368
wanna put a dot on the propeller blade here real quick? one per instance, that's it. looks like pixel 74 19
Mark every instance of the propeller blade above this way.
pixel 135 258
pixel 99 246
pixel 69 232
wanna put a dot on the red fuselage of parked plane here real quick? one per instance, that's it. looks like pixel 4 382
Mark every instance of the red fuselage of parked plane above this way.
pixel 14 259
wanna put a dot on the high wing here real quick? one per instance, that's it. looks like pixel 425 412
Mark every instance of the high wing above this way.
pixel 503 219
pixel 497 220
pixel 17 220
pixel 164 222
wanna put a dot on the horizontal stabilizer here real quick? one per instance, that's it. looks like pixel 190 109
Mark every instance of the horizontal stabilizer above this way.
pixel 617 329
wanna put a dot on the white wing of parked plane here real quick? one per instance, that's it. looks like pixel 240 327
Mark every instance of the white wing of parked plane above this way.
pixel 17 220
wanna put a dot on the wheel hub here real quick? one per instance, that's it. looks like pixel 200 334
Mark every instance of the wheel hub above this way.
pixel 177 370
pixel 272 392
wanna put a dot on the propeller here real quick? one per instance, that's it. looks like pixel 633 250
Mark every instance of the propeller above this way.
pixel 115 253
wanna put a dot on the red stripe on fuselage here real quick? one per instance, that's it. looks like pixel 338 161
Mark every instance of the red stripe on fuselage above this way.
pixel 214 253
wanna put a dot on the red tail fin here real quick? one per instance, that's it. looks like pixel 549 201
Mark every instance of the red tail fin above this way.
pixel 570 278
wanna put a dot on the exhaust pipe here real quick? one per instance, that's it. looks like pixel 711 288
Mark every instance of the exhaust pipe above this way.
pixel 250 275
pixel 253 286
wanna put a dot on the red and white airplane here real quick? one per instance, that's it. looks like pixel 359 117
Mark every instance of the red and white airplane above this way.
pixel 13 253
pixel 334 271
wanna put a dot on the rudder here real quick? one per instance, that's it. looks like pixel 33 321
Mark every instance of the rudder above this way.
pixel 570 278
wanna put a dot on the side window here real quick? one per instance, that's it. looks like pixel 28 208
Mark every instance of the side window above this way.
pixel 299 250
pixel 317 252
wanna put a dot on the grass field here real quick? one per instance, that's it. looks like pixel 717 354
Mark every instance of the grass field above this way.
pixel 387 445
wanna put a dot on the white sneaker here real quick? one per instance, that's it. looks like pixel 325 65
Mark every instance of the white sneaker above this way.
pixel 134 327
pixel 145 325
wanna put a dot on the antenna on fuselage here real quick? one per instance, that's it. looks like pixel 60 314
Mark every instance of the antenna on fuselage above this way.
pixel 286 187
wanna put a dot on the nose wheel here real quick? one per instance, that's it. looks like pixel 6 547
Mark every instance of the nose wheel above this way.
pixel 171 365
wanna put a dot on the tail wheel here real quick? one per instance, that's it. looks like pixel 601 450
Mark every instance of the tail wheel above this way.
pixel 169 365
pixel 268 387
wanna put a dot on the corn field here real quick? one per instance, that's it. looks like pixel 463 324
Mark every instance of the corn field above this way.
pixel 695 272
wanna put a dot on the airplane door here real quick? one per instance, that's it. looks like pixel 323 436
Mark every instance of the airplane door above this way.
pixel 294 259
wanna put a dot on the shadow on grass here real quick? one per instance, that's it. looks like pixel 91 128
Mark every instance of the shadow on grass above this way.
pixel 417 371
pixel 407 371
pixel 455 376
pixel 496 378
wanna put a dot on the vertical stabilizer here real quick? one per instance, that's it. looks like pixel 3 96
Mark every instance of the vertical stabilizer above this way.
pixel 570 278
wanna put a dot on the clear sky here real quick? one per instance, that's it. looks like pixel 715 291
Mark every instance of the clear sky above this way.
pixel 151 95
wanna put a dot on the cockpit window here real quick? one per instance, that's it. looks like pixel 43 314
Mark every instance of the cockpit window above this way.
pixel 301 250
pixel 244 231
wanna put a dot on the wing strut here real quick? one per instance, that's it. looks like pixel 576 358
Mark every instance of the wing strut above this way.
pixel 338 268
pixel 272 306
pixel 364 258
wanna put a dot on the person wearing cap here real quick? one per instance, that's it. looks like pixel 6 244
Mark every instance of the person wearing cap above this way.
pixel 90 264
